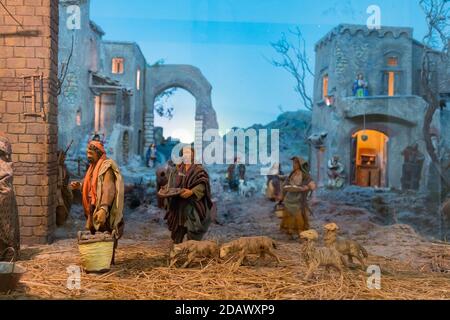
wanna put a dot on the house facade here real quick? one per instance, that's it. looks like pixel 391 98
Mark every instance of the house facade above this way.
pixel 368 103
pixel 103 89
pixel 109 90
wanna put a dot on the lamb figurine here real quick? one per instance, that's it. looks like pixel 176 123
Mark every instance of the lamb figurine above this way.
pixel 315 257
pixel 249 245
pixel 349 248
pixel 193 249
pixel 246 188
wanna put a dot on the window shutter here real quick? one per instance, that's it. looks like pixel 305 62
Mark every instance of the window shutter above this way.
pixel 385 84
pixel 398 85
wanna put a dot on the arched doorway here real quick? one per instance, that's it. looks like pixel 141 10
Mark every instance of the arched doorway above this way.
pixel 181 124
pixel 163 77
pixel 369 159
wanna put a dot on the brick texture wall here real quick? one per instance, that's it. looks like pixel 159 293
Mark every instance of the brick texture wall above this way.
pixel 26 51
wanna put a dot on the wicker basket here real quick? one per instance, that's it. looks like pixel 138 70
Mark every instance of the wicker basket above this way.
pixel 96 255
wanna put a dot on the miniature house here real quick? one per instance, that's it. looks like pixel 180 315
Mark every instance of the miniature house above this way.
pixel 367 97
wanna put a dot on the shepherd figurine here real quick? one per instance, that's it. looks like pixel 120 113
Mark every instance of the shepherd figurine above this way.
pixel 103 193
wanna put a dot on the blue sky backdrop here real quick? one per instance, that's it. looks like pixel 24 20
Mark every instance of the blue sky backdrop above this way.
pixel 229 40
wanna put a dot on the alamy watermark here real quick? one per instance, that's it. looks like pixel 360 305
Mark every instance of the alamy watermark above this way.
pixel 211 148
pixel 73 278
pixel 374 279
pixel 374 20
pixel 73 21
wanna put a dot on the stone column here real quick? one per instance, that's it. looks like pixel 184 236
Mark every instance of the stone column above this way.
pixel 149 126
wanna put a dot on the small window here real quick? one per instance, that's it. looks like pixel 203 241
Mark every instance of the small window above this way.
pixel 97 113
pixel 391 84
pixel 138 79
pixel 117 65
pixel 325 86
pixel 392 62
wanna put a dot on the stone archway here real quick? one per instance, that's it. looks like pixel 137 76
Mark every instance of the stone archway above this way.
pixel 189 78
pixel 369 163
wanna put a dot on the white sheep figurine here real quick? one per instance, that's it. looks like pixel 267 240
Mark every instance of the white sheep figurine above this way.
pixel 320 256
pixel 247 188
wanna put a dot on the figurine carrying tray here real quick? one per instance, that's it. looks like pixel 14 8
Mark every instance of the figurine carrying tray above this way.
pixel 169 193
pixel 292 188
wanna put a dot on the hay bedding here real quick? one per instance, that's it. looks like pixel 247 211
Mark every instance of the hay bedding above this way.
pixel 142 273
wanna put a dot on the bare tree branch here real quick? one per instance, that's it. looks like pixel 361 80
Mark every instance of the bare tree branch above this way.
pixel 64 69
pixel 162 107
pixel 435 41
pixel 435 48
pixel 160 62
pixel 293 59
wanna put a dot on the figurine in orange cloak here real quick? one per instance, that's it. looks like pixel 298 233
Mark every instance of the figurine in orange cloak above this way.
pixel 103 193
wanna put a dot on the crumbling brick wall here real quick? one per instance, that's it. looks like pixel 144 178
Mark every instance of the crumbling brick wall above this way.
pixel 24 51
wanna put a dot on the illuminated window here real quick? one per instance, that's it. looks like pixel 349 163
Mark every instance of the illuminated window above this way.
pixel 97 113
pixel 391 84
pixel 325 86
pixel 138 79
pixel 392 62
pixel 117 65
pixel 78 118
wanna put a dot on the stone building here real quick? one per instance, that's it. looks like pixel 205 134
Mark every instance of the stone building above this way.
pixel 103 87
pixel 110 89
pixel 28 110
pixel 371 122
pixel 76 99
pixel 128 126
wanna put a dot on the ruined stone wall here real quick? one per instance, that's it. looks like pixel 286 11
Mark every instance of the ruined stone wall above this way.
pixel 75 92
pixel 33 138
pixel 190 78
pixel 133 60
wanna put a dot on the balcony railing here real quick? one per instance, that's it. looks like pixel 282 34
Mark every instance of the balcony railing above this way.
pixel 406 109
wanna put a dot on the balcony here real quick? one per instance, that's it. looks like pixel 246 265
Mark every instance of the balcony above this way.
pixel 408 110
